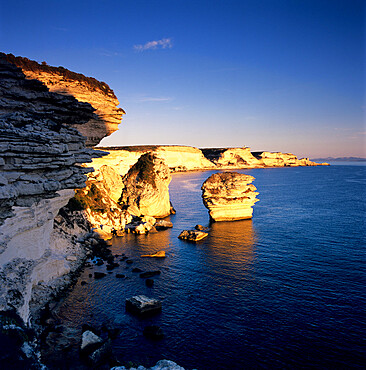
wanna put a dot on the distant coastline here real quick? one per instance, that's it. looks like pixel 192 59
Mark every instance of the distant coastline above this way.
pixel 339 159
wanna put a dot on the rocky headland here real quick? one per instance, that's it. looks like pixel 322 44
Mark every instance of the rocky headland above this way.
pixel 107 115
pixel 229 196
pixel 184 158
pixel 43 156
pixel 58 195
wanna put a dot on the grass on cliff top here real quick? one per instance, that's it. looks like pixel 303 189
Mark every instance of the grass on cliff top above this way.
pixel 92 200
pixel 32 65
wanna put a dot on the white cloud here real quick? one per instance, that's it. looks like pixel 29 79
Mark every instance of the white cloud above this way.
pixel 155 44
pixel 155 99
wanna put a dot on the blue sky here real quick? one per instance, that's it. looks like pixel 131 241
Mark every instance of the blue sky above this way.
pixel 275 75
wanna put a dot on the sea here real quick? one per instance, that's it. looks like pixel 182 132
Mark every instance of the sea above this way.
pixel 284 290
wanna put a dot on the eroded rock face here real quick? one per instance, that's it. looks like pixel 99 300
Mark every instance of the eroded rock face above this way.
pixel 278 159
pixel 232 157
pixel 177 158
pixel 229 196
pixel 184 158
pixel 146 189
pixel 98 94
pixel 41 157
pixel 99 200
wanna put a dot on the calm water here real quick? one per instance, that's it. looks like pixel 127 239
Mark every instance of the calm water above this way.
pixel 284 290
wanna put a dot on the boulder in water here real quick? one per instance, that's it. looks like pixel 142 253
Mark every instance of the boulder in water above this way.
pixel 141 304
pixel 160 254
pixel 192 235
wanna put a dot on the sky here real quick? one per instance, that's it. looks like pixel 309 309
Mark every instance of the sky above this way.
pixel 274 75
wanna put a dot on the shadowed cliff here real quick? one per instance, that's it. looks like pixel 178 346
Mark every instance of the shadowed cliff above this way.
pixel 107 116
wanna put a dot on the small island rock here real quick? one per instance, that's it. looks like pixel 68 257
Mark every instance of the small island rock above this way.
pixel 192 235
pixel 229 196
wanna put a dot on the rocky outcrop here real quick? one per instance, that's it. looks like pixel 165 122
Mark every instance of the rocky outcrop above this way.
pixel 232 157
pixel 229 196
pixel 184 158
pixel 146 190
pixel 160 365
pixel 278 159
pixel 41 163
pixel 192 235
pixel 177 158
pixel 98 94
pixel 99 202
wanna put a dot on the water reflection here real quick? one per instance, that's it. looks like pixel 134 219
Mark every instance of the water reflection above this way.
pixel 145 244
pixel 233 241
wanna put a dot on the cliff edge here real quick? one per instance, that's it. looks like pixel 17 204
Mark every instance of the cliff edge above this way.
pixel 98 94
pixel 42 161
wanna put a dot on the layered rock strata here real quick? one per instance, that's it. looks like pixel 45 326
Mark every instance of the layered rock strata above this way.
pixel 229 196
pixel 41 163
pixel 146 190
pixel 107 115
pixel 99 201
pixel 183 158
pixel 232 157
pixel 278 159
pixel 177 158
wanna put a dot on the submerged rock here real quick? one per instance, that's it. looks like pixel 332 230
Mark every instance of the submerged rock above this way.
pixel 149 283
pixel 99 275
pixel 192 235
pixel 141 304
pixel 149 274
pixel 153 332
pixel 229 196
pixel 160 254
pixel 160 365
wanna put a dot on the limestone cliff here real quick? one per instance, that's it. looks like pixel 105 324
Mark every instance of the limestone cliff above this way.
pixel 107 115
pixel 229 196
pixel 232 157
pixel 278 159
pixel 184 158
pixel 41 157
pixel 177 158
pixel 146 189
pixel 99 201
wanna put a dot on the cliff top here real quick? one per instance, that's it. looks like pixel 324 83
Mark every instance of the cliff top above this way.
pixel 32 65
pixel 141 148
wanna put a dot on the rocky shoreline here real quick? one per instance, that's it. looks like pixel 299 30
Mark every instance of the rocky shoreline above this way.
pixel 56 211
pixel 185 158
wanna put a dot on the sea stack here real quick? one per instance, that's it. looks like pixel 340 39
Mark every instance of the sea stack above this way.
pixel 146 190
pixel 229 196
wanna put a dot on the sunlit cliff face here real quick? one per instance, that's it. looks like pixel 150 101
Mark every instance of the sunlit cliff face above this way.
pixel 41 152
pixel 107 115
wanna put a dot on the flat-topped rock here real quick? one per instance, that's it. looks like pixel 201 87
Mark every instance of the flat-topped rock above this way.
pixel 141 304
pixel 229 196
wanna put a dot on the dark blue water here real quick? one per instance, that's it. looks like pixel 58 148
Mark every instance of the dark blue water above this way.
pixel 283 290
